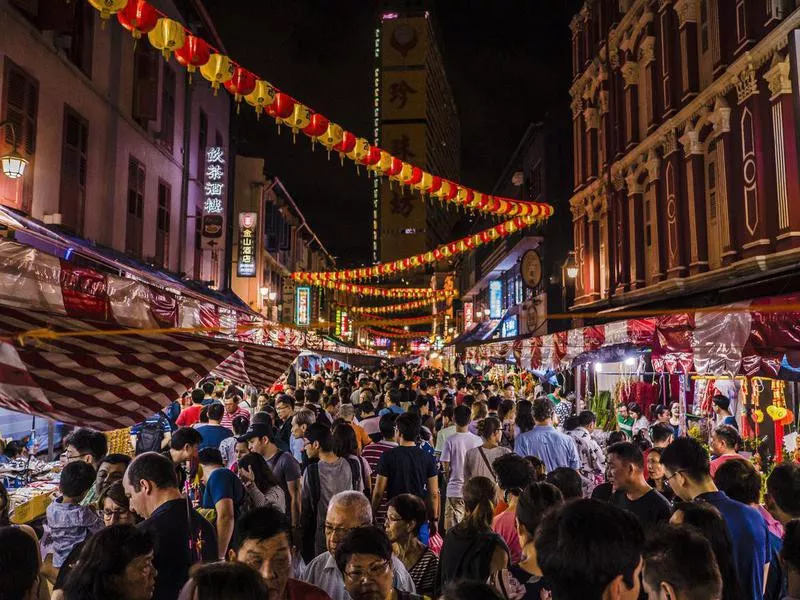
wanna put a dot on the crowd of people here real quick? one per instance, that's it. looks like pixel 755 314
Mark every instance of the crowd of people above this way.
pixel 403 484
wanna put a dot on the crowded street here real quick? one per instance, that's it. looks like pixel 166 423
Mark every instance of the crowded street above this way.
pixel 399 300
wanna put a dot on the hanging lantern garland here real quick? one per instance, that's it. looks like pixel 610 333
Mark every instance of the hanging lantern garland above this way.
pixel 404 322
pixel 194 53
pixel 170 36
pixel 369 290
pixel 393 308
pixel 405 335
pixel 419 260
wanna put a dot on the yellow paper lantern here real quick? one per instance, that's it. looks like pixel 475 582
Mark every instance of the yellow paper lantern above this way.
pixel 218 70
pixel 444 191
pixel 108 7
pixel 477 198
pixel 385 163
pixel 300 117
pixel 776 413
pixel 425 182
pixel 360 150
pixel 406 172
pixel 167 36
pixel 332 136
pixel 261 97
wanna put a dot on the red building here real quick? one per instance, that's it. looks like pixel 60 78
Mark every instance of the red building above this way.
pixel 686 173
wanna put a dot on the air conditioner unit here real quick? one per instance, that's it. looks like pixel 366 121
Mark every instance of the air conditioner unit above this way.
pixel 52 218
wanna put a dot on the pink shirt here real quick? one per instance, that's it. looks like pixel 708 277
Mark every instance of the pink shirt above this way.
pixel 505 526
pixel 227 418
pixel 774 526
pixel 721 460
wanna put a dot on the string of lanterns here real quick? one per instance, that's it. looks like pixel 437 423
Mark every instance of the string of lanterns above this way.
pixel 393 308
pixel 404 322
pixel 405 264
pixel 170 37
pixel 406 335
pixel 370 290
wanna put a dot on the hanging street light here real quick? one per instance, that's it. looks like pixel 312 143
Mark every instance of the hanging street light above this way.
pixel 13 164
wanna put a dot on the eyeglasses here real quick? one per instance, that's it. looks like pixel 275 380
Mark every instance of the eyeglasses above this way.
pixel 110 514
pixel 673 475
pixel 372 572
pixel 337 531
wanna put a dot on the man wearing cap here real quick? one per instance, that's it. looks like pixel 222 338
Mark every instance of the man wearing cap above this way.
pixel 721 405
pixel 260 439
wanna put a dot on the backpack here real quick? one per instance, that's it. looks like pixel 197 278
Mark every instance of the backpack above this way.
pixel 311 502
pixel 150 436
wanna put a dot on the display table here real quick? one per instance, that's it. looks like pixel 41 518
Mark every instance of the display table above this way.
pixel 30 502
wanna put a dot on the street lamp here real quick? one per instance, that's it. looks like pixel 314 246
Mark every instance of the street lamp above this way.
pixel 265 291
pixel 13 164
pixel 272 296
pixel 570 266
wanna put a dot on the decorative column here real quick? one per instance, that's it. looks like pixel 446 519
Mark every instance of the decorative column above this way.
pixel 787 179
pixel 578 220
pixel 622 273
pixel 687 23
pixel 635 230
pixel 577 142
pixel 591 117
pixel 630 72
pixel 675 209
pixel 666 54
pixel 592 260
pixel 695 200
pixel 757 177
pixel 729 205
pixel 647 55
pixel 653 194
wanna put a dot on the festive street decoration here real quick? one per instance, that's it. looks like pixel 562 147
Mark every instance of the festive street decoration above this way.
pixel 389 323
pixel 369 290
pixel 169 36
pixel 393 308
pixel 241 84
pixel 138 17
pixel 193 54
pixel 419 260
pixel 407 335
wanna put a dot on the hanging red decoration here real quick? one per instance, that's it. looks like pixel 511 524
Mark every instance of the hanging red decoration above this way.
pixel 138 17
pixel 372 157
pixel 395 167
pixel 194 53
pixel 282 107
pixel 346 145
pixel 317 126
pixel 241 84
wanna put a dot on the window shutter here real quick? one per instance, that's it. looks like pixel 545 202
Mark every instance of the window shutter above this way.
pixel 21 106
pixel 145 85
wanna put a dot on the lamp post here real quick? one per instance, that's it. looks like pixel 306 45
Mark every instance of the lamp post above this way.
pixel 569 270
pixel 13 164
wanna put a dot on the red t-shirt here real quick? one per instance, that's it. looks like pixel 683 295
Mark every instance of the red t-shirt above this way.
pixel 300 590
pixel 189 416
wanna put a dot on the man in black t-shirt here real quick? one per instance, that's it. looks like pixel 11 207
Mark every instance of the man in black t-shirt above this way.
pixel 407 469
pixel 631 492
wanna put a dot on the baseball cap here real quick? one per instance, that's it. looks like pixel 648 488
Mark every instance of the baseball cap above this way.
pixel 258 430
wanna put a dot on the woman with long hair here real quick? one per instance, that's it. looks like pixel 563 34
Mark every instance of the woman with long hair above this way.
pixel 263 488
pixel 525 574
pixel 116 562
pixel 404 519
pixel 507 412
pixel 514 474
pixel 524 420
pixel 345 445
pixel 471 550
pixel 706 519
pixel 478 461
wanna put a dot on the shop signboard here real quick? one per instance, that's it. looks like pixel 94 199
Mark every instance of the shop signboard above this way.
pixel 495 299
pixel 246 266
pixel 302 306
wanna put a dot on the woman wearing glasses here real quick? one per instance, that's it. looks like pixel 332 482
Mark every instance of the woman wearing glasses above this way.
pixel 364 557
pixel 406 515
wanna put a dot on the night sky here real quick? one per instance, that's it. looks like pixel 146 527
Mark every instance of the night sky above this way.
pixel 508 63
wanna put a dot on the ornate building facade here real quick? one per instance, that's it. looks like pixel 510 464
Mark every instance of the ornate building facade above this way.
pixel 685 170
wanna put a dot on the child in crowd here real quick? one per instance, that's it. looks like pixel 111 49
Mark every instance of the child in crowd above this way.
pixel 69 523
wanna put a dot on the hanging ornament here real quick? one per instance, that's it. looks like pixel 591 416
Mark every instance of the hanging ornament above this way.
pixel 194 53
pixel 317 125
pixel 263 95
pixel 167 36
pixel 241 84
pixel 359 151
pixel 138 17
pixel 217 70
pixel 108 7
pixel 332 136
pixel 346 145
pixel 372 157
pixel 282 108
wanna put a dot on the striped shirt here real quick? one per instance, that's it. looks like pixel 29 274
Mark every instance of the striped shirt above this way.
pixel 227 418
pixel 372 453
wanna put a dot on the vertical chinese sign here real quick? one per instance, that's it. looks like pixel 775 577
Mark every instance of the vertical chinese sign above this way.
pixel 246 264
pixel 214 202
pixel 495 299
pixel 302 307
pixel 469 315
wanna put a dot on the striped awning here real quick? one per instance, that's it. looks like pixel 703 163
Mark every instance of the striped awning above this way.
pixel 114 381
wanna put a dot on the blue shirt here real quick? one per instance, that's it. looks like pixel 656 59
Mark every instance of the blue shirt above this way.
pixel 554 448
pixel 750 539
pixel 153 420
pixel 296 446
pixel 213 435
pixel 392 408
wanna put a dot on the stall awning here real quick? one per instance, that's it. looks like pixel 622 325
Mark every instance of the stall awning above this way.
pixel 94 377
pixel 478 334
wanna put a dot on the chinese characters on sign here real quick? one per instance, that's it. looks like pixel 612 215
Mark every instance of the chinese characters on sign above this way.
pixel 302 307
pixel 510 327
pixel 398 93
pixel 247 244
pixel 469 315
pixel 214 198
pixel 342 323
pixel 402 203
pixel 495 299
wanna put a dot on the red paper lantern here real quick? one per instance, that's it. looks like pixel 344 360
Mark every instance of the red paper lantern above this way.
pixel 347 144
pixel 453 247
pixel 436 184
pixel 138 17
pixel 282 107
pixel 437 254
pixel 416 176
pixel 452 193
pixel 373 156
pixel 317 126
pixel 395 167
pixel 241 84
pixel 194 53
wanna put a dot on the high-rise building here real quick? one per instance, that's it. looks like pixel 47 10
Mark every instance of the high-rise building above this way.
pixel 416 120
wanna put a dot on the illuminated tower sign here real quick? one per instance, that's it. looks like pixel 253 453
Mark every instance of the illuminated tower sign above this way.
pixel 214 202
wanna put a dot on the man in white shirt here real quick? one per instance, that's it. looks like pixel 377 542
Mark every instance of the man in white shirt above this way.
pixel 455 450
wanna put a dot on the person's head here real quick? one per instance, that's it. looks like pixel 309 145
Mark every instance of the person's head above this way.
pixel 479 501
pixel 568 481
pixel 625 464
pixel 239 425
pixel 254 467
pixel 725 440
pixel 19 565
pixel 347 412
pixel 231 403
pixel 739 479
pixel 224 581
pixel 539 468
pixel 507 410
pixel 721 404
pixel 344 439
pixel 615 437
pixel 112 468
pixel 116 562
pixel 508 391
pixel 318 439
pixel 149 478
pixel 86 445
pixel 300 422
pixel 114 507
pixel 662 434
pixel 479 411
pixel 312 396
pixel 264 545
pixel 241 447
pixel 583 561
pixel 790 551
pixel 395 396
pixel 208 388
pixel 346 511
pixel 76 480
pixel 783 492
pixel 215 413
pixel 462 415
pixel 542 411
pixel 654 466
pixel 404 518
pixel 493 404
pixel 284 406
pixel 210 459
pixel 198 395
pixel 184 445
pixel 386 426
pixel 490 429
pixel 622 411
pixel 686 467
pixel 679 564
pixel 330 404
pixel 408 427
pixel 587 419
pixel 571 423
pixel 259 438
pixel 634 410
pixel 364 558
pixel 203 418
pixel 534 501
pixel 366 409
